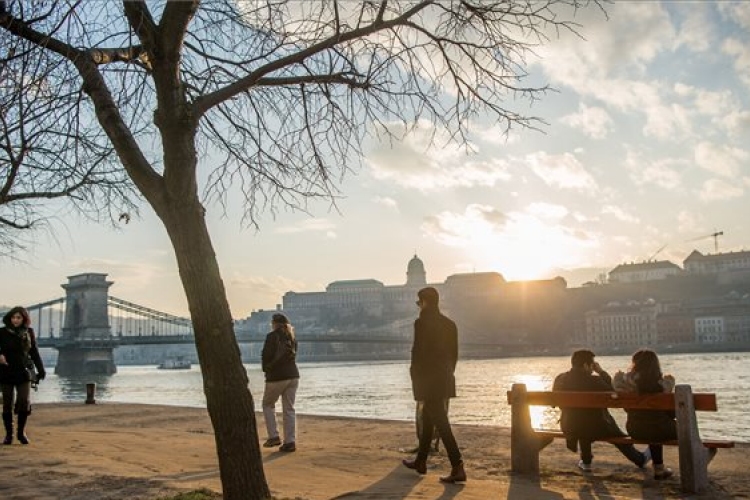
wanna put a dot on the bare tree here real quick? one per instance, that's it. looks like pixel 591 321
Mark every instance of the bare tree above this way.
pixel 273 97
pixel 47 151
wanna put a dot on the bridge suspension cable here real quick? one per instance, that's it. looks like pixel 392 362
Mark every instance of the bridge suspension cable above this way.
pixel 131 319
pixel 50 326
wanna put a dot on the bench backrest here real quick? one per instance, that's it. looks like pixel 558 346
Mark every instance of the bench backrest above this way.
pixel 569 399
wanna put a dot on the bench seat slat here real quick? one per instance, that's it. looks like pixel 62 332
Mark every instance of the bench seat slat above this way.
pixel 708 443
pixel 571 399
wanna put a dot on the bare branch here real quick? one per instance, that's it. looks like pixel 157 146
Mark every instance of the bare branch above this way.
pixel 205 102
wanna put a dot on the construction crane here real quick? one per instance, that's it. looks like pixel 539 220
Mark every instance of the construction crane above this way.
pixel 656 253
pixel 715 235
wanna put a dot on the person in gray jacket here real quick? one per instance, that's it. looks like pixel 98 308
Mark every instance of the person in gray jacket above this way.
pixel 278 361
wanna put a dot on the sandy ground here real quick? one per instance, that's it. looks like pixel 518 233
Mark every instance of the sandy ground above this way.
pixel 126 451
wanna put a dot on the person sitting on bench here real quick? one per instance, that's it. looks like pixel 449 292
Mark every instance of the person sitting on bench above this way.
pixel 582 426
pixel 645 377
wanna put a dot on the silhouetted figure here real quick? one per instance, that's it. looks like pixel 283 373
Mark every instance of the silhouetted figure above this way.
pixel 645 377
pixel 581 426
pixel 434 356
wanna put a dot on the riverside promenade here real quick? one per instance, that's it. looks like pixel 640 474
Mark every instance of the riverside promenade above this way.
pixel 129 451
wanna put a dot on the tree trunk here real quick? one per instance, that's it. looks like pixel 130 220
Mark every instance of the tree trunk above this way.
pixel 225 382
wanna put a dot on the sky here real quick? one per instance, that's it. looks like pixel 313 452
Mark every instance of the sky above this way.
pixel 644 155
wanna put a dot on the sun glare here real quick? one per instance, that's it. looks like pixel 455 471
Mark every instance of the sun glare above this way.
pixel 539 414
pixel 529 248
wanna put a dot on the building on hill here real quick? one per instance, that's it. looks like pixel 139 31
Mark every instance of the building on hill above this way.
pixel 485 306
pixel 643 271
pixel 729 267
pixel 358 305
pixel 722 320
pixel 622 325
pixel 697 321
pixel 472 286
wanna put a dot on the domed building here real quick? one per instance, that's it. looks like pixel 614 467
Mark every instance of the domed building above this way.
pixel 415 274
pixel 482 304
pixel 363 298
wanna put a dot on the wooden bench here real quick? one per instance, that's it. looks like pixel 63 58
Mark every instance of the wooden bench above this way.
pixel 695 453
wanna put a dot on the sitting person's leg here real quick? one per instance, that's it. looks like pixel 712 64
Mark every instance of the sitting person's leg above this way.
pixel 632 454
pixel 584 446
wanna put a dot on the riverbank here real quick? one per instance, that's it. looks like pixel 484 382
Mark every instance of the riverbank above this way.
pixel 130 451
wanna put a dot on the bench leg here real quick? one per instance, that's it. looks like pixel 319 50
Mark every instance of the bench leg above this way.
pixel 524 443
pixel 694 457
pixel 711 454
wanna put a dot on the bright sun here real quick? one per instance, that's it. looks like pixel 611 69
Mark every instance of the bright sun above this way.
pixel 527 249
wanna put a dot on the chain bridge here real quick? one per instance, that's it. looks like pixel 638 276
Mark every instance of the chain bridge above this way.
pixel 87 325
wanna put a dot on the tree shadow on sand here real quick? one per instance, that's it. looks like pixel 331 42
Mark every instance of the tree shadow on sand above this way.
pixel 397 484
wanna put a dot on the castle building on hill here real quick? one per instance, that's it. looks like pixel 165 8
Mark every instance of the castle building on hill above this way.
pixel 367 305
pixel 643 271
pixel 728 267
pixel 368 297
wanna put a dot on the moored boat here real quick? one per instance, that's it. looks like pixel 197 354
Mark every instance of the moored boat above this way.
pixel 178 363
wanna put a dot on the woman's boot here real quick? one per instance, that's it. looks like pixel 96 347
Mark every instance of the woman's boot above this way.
pixel 22 416
pixel 8 422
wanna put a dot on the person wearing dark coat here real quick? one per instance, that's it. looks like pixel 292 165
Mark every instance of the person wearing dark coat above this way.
pixel 18 350
pixel 434 355
pixel 645 377
pixel 278 361
pixel 582 426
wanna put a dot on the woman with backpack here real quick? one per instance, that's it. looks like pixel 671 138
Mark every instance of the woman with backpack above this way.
pixel 278 361
pixel 18 350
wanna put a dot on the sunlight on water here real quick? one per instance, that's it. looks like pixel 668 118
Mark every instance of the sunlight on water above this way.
pixel 533 382
pixel 383 389
pixel 539 414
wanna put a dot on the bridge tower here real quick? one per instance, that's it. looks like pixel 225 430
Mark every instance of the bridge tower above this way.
pixel 86 345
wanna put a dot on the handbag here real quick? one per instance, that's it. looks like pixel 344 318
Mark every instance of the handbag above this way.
pixel 31 374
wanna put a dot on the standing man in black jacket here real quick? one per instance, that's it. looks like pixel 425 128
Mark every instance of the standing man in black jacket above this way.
pixel 433 362
pixel 581 426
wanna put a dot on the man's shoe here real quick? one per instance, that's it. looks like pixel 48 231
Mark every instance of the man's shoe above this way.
pixel 271 442
pixel 646 458
pixel 584 466
pixel 418 465
pixel 288 447
pixel 458 474
pixel 663 473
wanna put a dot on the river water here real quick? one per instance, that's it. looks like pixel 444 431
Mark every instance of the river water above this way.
pixel 382 389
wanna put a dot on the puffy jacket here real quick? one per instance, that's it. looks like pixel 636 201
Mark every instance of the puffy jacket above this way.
pixel 284 368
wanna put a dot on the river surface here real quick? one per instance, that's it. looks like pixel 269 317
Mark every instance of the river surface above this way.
pixel 382 389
